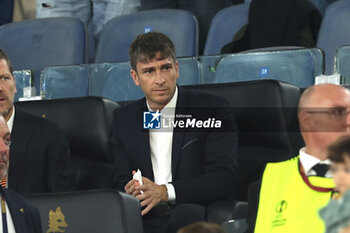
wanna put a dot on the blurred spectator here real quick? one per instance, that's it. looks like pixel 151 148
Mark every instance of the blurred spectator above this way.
pixel 94 12
pixel 6 7
pixel 23 10
pixel 336 215
pixel 204 10
pixel 291 192
pixel 277 23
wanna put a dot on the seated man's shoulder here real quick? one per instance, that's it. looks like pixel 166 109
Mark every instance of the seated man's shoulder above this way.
pixel 205 97
pixel 40 123
pixel 20 200
pixel 284 163
pixel 130 106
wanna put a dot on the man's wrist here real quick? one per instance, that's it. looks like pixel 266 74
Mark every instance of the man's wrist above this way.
pixel 165 196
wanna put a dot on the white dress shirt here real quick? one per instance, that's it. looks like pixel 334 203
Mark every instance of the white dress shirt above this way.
pixel 10 226
pixel 10 121
pixel 161 144
pixel 308 161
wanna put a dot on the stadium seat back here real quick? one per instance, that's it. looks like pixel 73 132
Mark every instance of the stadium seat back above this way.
pixel 87 124
pixel 265 113
pixel 225 24
pixel 334 31
pixel 106 211
pixel 38 43
pixel 179 25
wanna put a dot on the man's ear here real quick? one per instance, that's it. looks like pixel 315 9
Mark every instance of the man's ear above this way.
pixel 177 69
pixel 134 76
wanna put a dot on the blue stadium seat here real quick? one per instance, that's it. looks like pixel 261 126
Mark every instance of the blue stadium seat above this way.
pixel 179 25
pixel 224 26
pixel 190 71
pixel 319 60
pixel 209 64
pixel 334 31
pixel 64 82
pixel 113 81
pixel 342 63
pixel 92 211
pixel 317 53
pixel 23 79
pixel 38 43
pixel 296 67
pixel 321 5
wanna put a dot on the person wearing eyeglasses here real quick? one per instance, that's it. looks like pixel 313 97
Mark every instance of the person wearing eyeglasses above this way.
pixel 292 191
pixel 17 215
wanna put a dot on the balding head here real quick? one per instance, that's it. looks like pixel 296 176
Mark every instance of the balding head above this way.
pixel 322 117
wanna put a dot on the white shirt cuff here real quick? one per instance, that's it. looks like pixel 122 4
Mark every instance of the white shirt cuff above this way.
pixel 171 192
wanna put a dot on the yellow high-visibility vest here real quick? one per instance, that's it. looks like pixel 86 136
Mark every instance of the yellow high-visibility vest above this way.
pixel 289 200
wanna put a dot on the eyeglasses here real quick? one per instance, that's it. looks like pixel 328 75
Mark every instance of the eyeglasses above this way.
pixel 339 113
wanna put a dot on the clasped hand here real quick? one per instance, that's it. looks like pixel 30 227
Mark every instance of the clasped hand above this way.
pixel 152 193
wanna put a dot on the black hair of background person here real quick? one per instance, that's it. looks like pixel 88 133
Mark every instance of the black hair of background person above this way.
pixel 277 23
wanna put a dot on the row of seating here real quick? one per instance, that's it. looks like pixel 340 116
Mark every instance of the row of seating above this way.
pixel 39 43
pixel 333 33
pixel 296 66
pixel 112 80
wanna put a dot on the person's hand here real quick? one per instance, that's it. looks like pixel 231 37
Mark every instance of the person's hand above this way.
pixel 130 187
pixel 152 194
pixel 345 229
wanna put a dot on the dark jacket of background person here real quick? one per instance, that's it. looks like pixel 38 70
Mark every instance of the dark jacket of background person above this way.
pixel 278 23
pixel 40 156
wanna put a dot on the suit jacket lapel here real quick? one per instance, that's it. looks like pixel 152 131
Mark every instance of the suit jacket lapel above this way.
pixel 15 211
pixel 20 139
pixel 145 150
pixel 178 137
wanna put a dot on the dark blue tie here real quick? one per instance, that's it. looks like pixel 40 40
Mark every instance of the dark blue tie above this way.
pixel 321 169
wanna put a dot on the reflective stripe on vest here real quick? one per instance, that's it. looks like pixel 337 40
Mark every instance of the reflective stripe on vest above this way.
pixel 289 201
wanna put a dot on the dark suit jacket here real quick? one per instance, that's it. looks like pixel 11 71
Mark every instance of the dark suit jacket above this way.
pixel 203 161
pixel 25 216
pixel 39 156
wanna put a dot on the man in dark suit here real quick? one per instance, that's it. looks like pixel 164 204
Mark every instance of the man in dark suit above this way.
pixel 184 166
pixel 21 216
pixel 36 143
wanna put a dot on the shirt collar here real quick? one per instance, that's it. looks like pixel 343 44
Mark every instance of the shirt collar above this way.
pixel 10 121
pixel 308 161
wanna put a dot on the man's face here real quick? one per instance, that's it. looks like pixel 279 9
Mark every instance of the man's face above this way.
pixel 157 79
pixel 326 117
pixel 341 175
pixel 5 140
pixel 7 90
